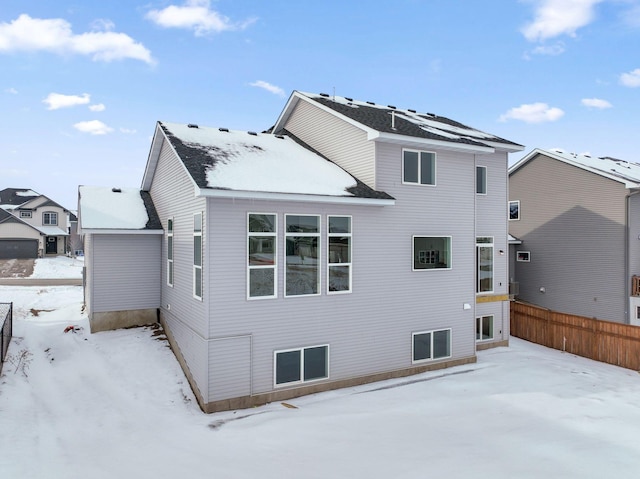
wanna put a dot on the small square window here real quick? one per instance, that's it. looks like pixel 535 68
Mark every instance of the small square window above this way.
pixel 484 328
pixel 301 365
pixel 429 345
pixel 419 167
pixel 523 256
pixel 431 252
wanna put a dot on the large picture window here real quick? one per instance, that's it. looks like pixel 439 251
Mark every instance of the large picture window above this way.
pixel 302 274
pixel 261 255
pixel 339 254
pixel 197 256
pixel 50 218
pixel 418 167
pixel 484 328
pixel 431 252
pixel 429 345
pixel 301 365
pixel 170 251
pixel 484 264
pixel 481 180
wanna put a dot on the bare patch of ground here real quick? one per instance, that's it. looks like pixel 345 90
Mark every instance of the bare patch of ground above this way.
pixel 16 268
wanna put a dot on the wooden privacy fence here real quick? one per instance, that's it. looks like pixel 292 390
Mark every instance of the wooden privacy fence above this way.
pixel 604 341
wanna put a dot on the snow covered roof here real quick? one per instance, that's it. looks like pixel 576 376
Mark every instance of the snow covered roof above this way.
pixel 388 122
pixel 13 197
pixel 51 231
pixel 617 170
pixel 116 209
pixel 226 161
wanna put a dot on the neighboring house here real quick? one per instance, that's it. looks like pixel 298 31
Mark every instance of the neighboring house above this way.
pixel 578 220
pixel 122 238
pixel 357 242
pixel 37 226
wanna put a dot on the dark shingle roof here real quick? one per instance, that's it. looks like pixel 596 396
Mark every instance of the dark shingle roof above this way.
pixel 154 222
pixel 12 196
pixel 389 119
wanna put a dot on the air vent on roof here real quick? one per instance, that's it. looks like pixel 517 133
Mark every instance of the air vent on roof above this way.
pixel 391 106
pixel 252 133
pixel 192 125
pixel 432 114
pixel 226 130
pixel 325 95
pixel 371 103
pixel 348 99
pixel 280 137
pixel 116 190
pixel 412 111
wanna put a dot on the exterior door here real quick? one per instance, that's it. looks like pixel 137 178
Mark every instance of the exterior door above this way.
pixel 52 245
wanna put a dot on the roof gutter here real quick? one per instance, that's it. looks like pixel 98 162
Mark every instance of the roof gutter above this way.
pixel 444 145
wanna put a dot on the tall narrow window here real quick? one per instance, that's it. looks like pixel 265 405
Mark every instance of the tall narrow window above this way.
pixel 484 328
pixel 484 264
pixel 419 167
pixel 170 251
pixel 481 180
pixel 514 210
pixel 339 257
pixel 302 274
pixel 197 256
pixel 261 255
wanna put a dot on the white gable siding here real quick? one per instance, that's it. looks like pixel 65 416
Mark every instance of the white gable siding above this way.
pixel 343 143
pixel 573 224
pixel 125 270
pixel 10 229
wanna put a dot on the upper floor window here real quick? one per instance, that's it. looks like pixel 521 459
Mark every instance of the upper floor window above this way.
pixel 481 180
pixel 339 258
pixel 431 252
pixel 261 255
pixel 197 256
pixel 50 218
pixel 302 273
pixel 170 251
pixel 25 214
pixel 514 210
pixel 418 167
pixel 484 260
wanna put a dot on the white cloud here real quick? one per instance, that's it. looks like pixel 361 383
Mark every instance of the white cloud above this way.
pixel 56 101
pixel 276 90
pixel 533 113
pixel 97 107
pixel 551 50
pixel 559 17
pixel 12 91
pixel 596 103
pixel 195 15
pixel 55 35
pixel 93 127
pixel 127 131
pixel 631 79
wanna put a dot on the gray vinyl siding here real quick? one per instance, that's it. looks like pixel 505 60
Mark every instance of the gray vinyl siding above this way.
pixel 368 330
pixel 573 223
pixel 173 191
pixel 634 238
pixel 345 144
pixel 126 271
pixel 88 273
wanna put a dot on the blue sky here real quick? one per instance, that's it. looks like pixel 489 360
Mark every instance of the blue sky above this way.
pixel 83 83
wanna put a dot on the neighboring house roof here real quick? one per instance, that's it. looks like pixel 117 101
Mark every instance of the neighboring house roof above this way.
pixel 117 210
pixel 393 124
pixel 611 168
pixel 11 198
pixel 257 165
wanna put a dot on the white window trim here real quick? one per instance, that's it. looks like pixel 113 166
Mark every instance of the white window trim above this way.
pixel 51 214
pixel 275 257
pixel 493 264
pixel 435 168
pixel 26 214
pixel 310 235
pixel 170 264
pixel 482 318
pixel 301 381
pixel 509 210
pixel 413 252
pixel 350 263
pixel 528 260
pixel 413 344
pixel 486 180
pixel 196 267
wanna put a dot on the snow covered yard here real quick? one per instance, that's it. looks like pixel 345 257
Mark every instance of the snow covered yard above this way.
pixel 116 404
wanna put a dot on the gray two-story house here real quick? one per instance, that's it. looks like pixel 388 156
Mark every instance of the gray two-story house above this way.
pixel 353 242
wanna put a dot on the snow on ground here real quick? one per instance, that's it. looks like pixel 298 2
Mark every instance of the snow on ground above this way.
pixel 116 404
pixel 58 267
